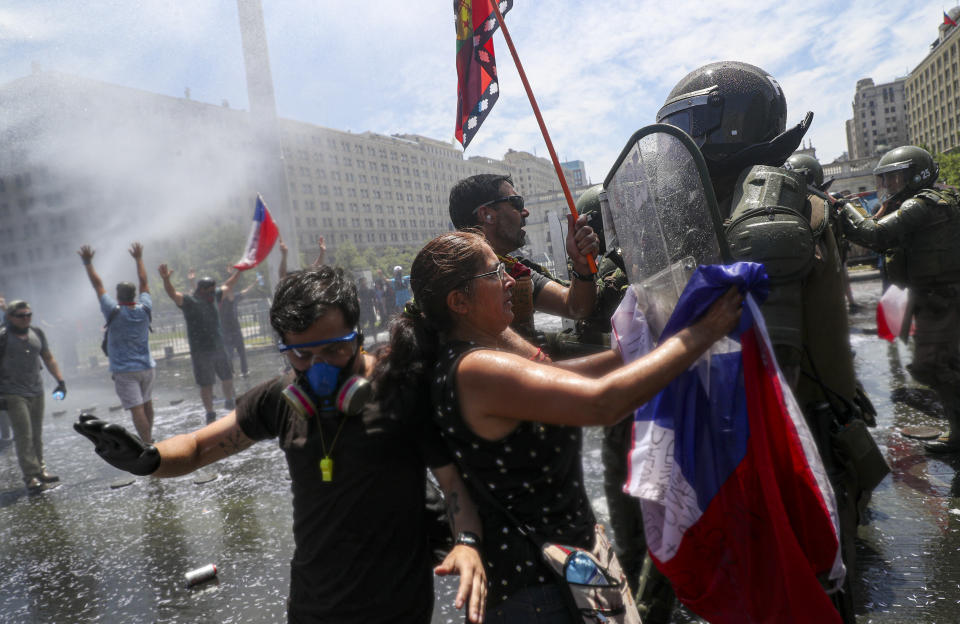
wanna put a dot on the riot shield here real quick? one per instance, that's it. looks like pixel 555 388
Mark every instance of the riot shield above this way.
pixel 663 215
pixel 557 249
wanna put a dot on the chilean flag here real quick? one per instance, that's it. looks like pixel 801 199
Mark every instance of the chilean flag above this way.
pixel 949 21
pixel 263 234
pixel 891 310
pixel 737 508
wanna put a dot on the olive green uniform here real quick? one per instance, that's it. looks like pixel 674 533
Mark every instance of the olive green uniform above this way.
pixel 806 315
pixel 920 239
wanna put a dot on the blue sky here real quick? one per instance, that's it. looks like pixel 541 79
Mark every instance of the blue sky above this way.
pixel 599 68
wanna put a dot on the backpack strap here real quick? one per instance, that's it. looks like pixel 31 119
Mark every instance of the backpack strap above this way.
pixel 113 315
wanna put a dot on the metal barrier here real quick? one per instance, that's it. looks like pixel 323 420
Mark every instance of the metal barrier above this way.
pixel 169 337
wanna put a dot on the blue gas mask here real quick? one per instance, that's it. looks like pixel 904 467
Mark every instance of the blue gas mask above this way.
pixel 325 390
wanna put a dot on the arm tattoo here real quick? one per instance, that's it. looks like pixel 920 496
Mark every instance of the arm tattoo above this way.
pixel 234 443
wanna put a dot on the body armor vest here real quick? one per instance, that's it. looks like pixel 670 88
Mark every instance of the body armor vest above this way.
pixel 929 256
pixel 770 223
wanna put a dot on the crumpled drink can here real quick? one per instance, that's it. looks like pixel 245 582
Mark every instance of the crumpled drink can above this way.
pixel 200 575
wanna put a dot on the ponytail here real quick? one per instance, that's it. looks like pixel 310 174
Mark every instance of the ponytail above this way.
pixel 402 374
pixel 404 370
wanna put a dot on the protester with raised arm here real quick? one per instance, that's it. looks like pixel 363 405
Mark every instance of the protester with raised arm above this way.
pixel 128 320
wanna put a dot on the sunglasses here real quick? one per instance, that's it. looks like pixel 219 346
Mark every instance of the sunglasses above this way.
pixel 515 201
pixel 338 346
pixel 24 315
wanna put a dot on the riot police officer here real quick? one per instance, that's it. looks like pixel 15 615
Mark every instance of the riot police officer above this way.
pixel 919 231
pixel 736 113
pixel 807 166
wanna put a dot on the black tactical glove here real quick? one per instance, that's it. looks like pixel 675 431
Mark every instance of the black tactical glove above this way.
pixel 117 446
pixel 61 387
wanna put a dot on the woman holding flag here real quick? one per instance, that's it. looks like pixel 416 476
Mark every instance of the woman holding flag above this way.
pixel 512 423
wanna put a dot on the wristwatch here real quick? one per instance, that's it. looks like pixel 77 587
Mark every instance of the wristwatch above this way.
pixel 468 538
pixel 583 277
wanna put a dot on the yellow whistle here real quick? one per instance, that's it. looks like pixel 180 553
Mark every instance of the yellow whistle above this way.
pixel 326 468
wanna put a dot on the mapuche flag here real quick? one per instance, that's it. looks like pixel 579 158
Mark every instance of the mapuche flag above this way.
pixel 263 234
pixel 738 510
pixel 477 88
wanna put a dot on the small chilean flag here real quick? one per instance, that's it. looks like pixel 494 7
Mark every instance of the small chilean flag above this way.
pixel 891 313
pixel 948 20
pixel 263 234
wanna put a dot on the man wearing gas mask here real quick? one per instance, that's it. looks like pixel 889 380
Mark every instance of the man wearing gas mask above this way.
pixel 356 464
pixel 207 354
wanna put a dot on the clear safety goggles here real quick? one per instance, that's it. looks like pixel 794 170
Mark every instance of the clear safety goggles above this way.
pixel 329 349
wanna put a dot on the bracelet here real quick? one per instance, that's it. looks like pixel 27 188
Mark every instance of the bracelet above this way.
pixel 536 357
pixel 583 277
pixel 468 538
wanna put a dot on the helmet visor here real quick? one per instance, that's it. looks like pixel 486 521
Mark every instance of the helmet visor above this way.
pixel 698 116
pixel 891 183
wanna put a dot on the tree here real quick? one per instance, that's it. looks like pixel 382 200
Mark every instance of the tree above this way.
pixel 210 249
pixel 347 257
pixel 949 168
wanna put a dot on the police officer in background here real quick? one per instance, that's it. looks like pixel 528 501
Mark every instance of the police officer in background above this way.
pixel 919 232
pixel 810 167
pixel 736 113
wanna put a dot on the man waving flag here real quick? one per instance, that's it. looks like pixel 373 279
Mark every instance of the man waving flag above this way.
pixel 477 87
pixel 263 234
pixel 737 508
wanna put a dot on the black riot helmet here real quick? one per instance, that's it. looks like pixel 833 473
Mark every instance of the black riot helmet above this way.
pixel 737 114
pixel 808 166
pixel 903 171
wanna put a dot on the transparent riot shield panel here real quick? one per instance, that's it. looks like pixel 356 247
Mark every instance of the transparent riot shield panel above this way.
pixel 558 245
pixel 558 253
pixel 664 215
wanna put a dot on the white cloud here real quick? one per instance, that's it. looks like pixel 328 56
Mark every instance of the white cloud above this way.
pixel 599 69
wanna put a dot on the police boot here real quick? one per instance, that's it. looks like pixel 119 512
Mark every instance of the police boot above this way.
pixel 950 443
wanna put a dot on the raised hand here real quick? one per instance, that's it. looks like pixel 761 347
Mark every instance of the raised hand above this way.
pixel 582 243
pixel 165 271
pixel 117 446
pixel 86 254
pixel 136 250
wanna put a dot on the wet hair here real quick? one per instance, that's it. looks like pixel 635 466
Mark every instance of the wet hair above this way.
pixel 206 282
pixel 401 376
pixel 304 296
pixel 126 292
pixel 469 193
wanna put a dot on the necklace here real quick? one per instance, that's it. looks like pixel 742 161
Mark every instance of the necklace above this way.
pixel 326 462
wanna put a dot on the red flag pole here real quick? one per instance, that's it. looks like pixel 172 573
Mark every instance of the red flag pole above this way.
pixel 543 127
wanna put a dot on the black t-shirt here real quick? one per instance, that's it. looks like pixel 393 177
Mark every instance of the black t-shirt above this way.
pixel 535 472
pixel 203 324
pixel 229 322
pixel 361 552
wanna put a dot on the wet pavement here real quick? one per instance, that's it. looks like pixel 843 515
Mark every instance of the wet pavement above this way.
pixel 84 552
